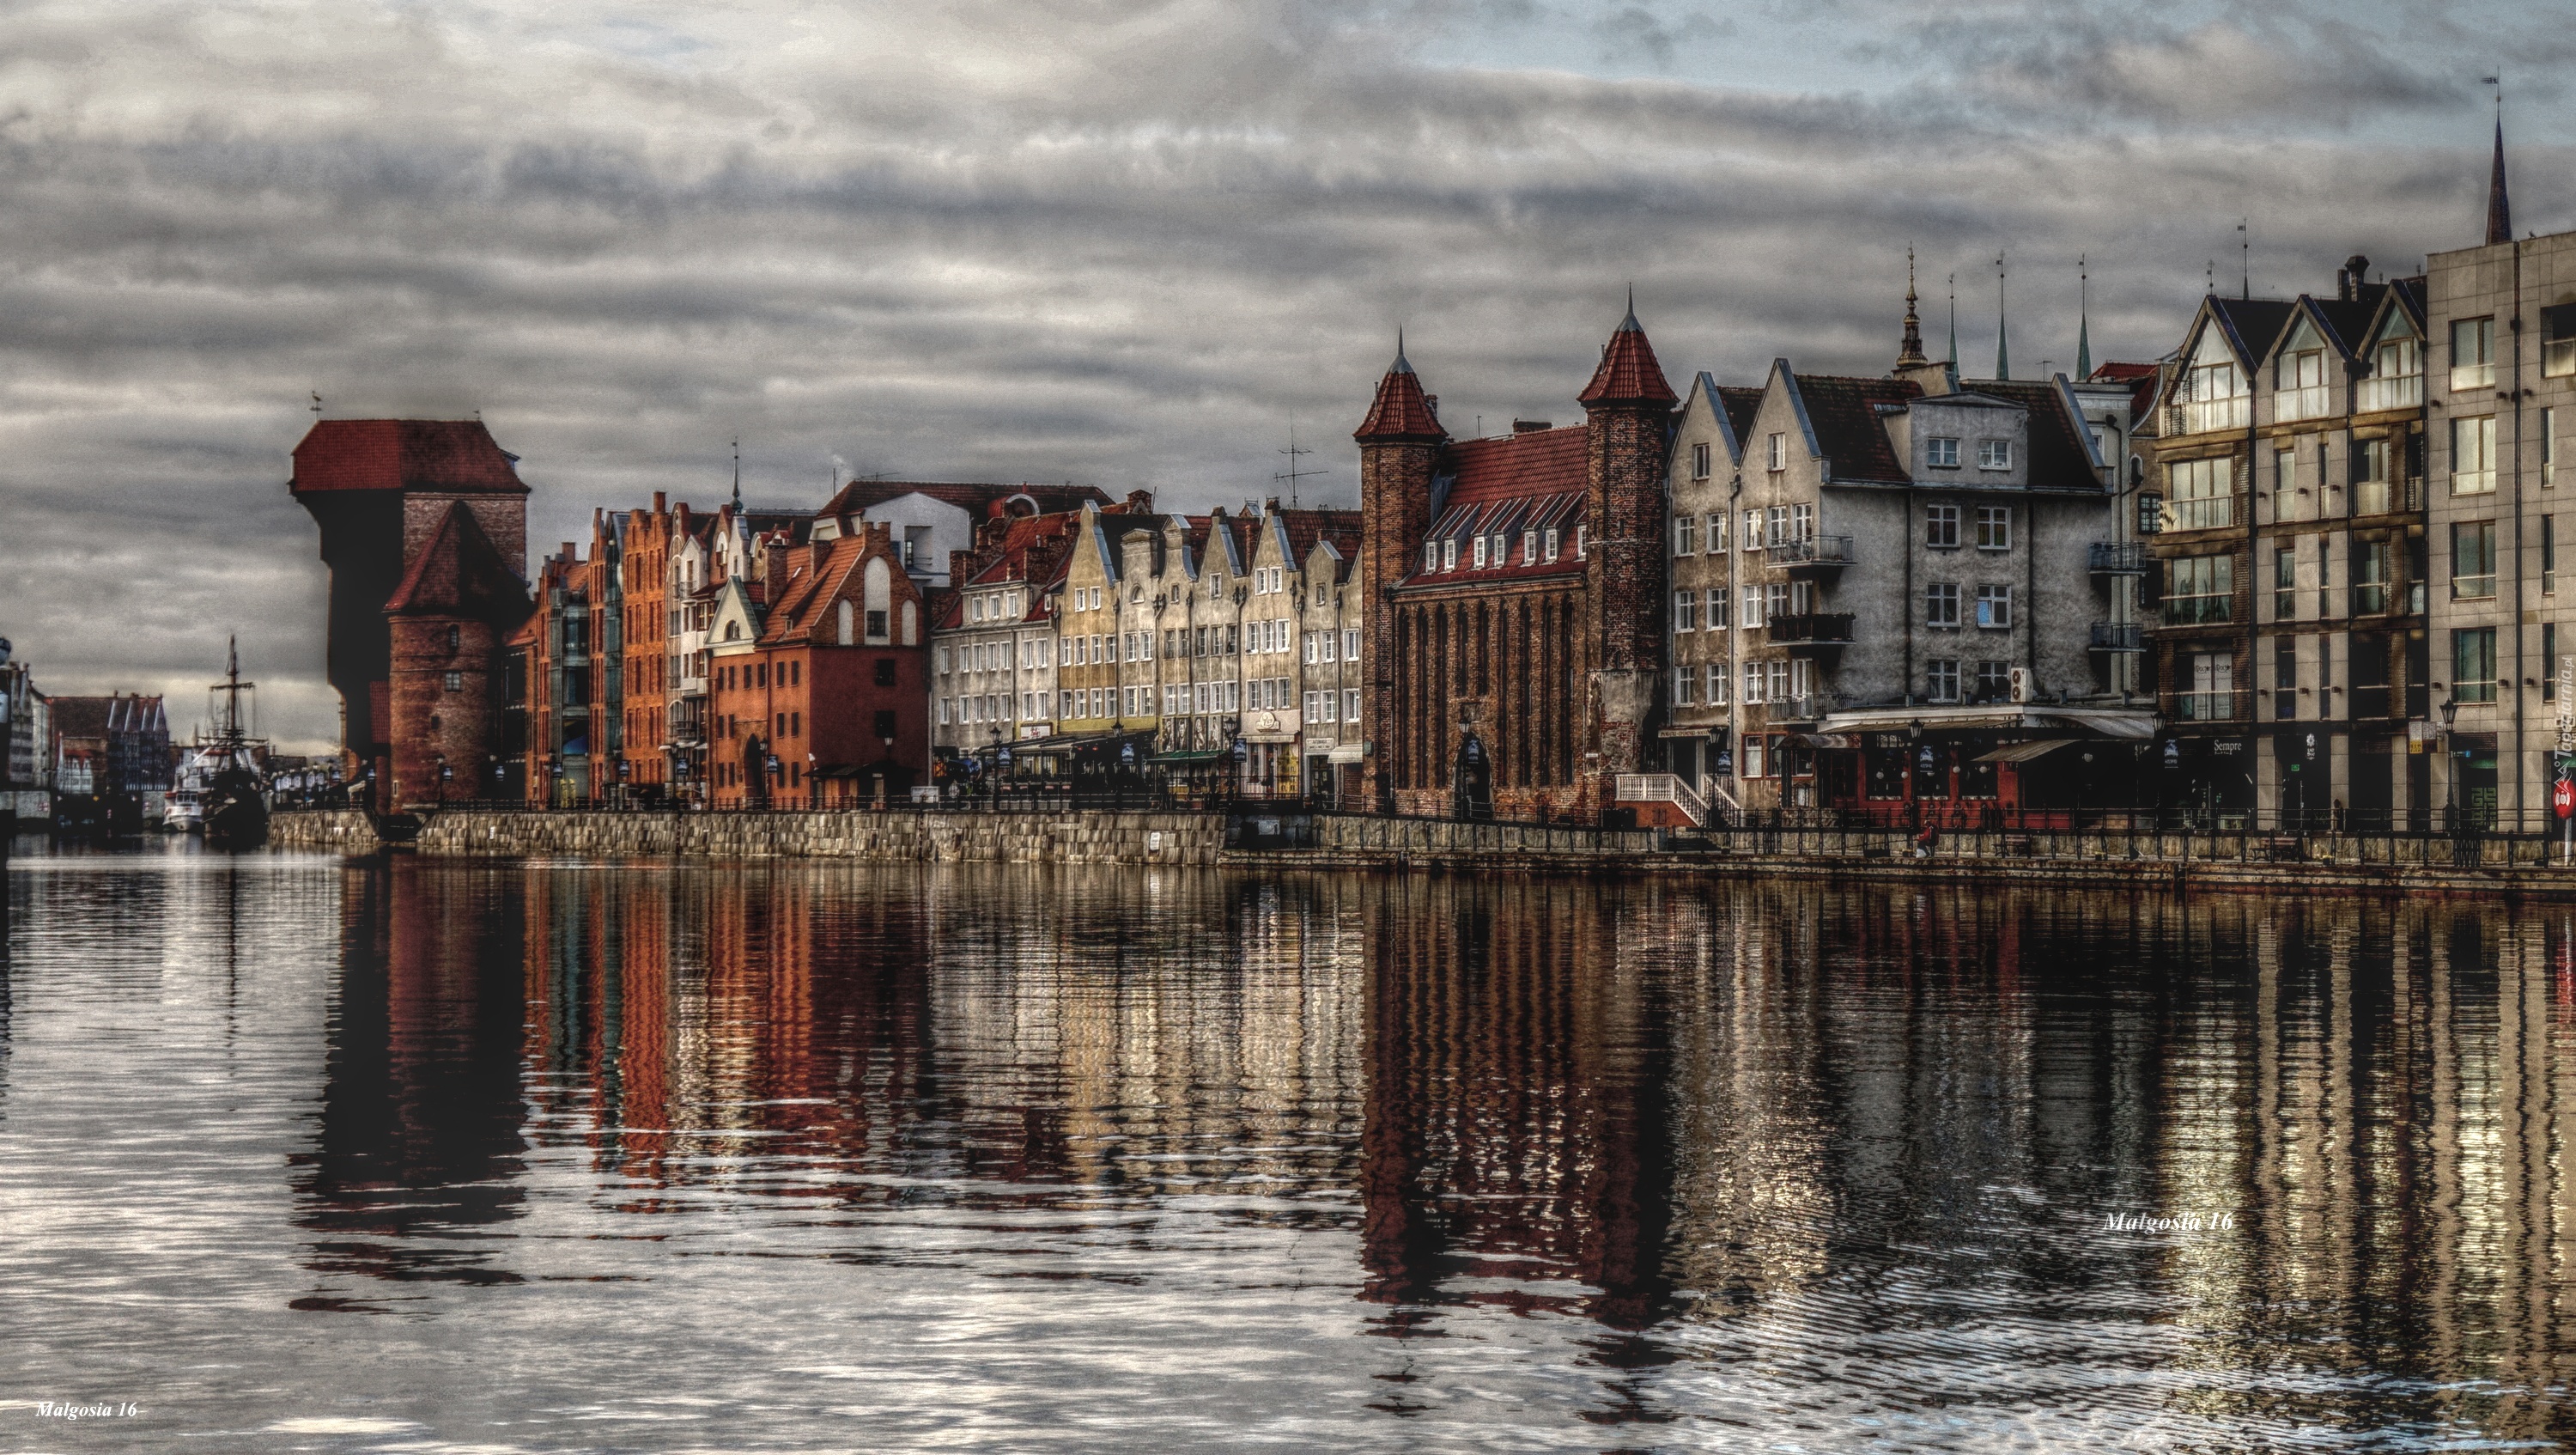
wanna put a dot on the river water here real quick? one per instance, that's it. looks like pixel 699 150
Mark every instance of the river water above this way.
pixel 299 1153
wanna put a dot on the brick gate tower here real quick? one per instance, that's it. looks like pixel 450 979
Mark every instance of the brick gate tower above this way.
pixel 424 527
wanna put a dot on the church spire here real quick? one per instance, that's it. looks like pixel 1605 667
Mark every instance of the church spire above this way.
pixel 2499 208
pixel 2003 333
pixel 1909 354
pixel 1953 360
pixel 2083 322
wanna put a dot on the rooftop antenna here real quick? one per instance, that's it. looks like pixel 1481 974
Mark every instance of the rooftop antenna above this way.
pixel 2245 258
pixel 1292 474
pixel 2209 276
pixel 2084 321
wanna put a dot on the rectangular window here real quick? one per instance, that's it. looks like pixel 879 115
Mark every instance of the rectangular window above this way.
pixel 1994 681
pixel 1994 527
pixel 1717 684
pixel 2549 447
pixel 1753 530
pixel 2285 479
pixel 1994 607
pixel 1578 542
pixel 1685 535
pixel 1994 454
pixel 1685 686
pixel 2548 553
pixel 2285 678
pixel 1775 526
pixel 1752 607
pixel 2549 661
pixel 1941 454
pixel 2200 494
pixel 1802 522
pixel 1777 681
pixel 2473 354
pixel 1752 756
pixel 455 682
pixel 1699 461
pixel 1350 644
pixel 1449 554
pixel 2370 489
pixel 2473 664
pixel 1551 543
pixel 2473 455
pixel 1776 600
pixel 1529 554
pixel 2200 590
pixel 1717 609
pixel 1480 553
pixel 1685 611
pixel 2473 562
pixel 2370 563
pixel 2285 583
pixel 1753 680
pixel 1941 605
pixel 1350 704
pixel 1430 555
pixel 1941 679
pixel 1779 452
pixel 1941 527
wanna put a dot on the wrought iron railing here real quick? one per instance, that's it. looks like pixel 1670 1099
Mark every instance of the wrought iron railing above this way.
pixel 2118 636
pixel 2116 558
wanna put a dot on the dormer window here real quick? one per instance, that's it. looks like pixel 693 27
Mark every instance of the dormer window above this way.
pixel 1529 547
pixel 1480 552
pixel 1430 555
pixel 1941 453
pixel 1449 554
pixel 1551 543
pixel 1994 454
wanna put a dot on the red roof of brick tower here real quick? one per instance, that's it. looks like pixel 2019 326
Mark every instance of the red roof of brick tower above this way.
pixel 1400 412
pixel 1629 373
pixel 439 455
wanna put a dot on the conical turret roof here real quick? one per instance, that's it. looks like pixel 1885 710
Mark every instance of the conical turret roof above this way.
pixel 1400 412
pixel 1629 373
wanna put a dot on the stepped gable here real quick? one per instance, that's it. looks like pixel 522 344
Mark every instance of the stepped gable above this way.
pixel 441 455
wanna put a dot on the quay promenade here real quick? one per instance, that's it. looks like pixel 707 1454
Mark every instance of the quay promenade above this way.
pixel 1287 838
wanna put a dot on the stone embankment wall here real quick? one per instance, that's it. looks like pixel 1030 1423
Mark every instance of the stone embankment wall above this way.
pixel 1055 838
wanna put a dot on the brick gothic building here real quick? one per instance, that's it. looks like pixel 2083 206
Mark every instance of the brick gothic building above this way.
pixel 1514 592
pixel 432 512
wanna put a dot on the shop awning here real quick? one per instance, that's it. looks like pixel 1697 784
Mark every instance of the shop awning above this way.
pixel 2108 722
pixel 2025 752
pixel 1208 756
pixel 1346 753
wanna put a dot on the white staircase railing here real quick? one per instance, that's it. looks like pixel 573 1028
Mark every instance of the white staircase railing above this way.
pixel 1663 788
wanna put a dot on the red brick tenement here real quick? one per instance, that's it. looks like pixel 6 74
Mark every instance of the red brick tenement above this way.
pixel 1515 588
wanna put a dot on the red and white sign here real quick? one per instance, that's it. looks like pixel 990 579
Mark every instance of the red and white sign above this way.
pixel 2565 797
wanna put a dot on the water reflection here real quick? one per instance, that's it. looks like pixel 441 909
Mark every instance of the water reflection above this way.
pixel 1392 1161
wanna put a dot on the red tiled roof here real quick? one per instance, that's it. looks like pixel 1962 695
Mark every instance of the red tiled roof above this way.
pixel 1629 373
pixel 403 454
pixel 1400 412
pixel 1844 414
pixel 1538 462
pixel 1305 527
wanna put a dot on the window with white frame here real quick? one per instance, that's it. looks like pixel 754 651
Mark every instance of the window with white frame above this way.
pixel 1529 547
pixel 1941 453
pixel 1699 461
pixel 1717 608
pixel 1350 704
pixel 1717 684
pixel 1941 527
pixel 1686 535
pixel 1994 527
pixel 1779 452
pixel 1777 681
pixel 1685 611
pixel 2473 455
pixel 1717 531
pixel 1578 542
pixel 1350 644
pixel 2473 353
pixel 1685 686
pixel 1449 554
pixel 1550 548
pixel 1775 526
pixel 1994 454
pixel 1430 555
pixel 1994 606
pixel 1941 604
pixel 1480 553
pixel 1941 679
pixel 1753 530
pixel 1777 599
pixel 1802 522
pixel 1753 680
pixel 1752 607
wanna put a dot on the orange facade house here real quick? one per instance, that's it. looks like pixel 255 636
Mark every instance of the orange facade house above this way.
pixel 819 697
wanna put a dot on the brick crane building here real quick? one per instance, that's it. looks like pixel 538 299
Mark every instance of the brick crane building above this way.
pixel 424 527
pixel 1514 591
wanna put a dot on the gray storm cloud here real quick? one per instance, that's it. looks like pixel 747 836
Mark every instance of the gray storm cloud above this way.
pixel 1122 243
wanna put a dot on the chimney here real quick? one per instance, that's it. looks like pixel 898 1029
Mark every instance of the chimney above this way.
pixel 1140 502
pixel 1270 506
pixel 2356 269
pixel 1530 426
pixel 660 505
pixel 961 564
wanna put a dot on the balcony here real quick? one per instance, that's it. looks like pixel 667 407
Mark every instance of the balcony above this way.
pixel 2199 610
pixel 1813 630
pixel 2200 416
pixel 2402 391
pixel 1796 709
pixel 1814 556
pixel 2107 558
pixel 2220 706
pixel 2306 402
pixel 2384 497
pixel 2118 636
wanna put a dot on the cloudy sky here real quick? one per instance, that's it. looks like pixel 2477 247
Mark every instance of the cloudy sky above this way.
pixel 1116 241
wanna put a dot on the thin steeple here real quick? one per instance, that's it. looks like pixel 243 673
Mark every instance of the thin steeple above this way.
pixel 2003 333
pixel 1909 354
pixel 1953 360
pixel 737 477
pixel 2499 207
pixel 2083 322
